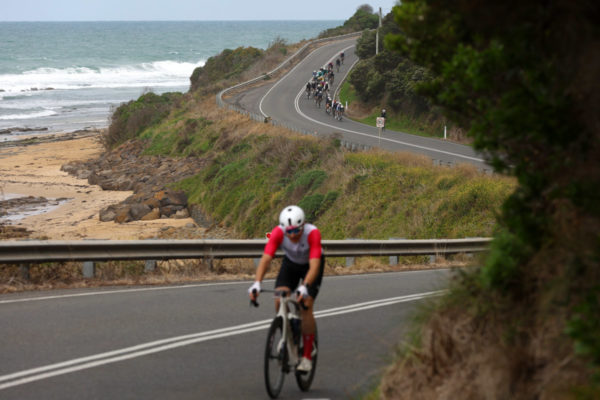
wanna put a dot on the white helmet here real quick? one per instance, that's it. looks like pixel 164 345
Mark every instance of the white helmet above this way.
pixel 291 217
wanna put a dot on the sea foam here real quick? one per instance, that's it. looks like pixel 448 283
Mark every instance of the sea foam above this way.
pixel 156 74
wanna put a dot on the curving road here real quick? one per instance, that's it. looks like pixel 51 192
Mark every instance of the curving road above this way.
pixel 284 101
pixel 196 341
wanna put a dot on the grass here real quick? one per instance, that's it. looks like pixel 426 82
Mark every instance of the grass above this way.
pixel 253 170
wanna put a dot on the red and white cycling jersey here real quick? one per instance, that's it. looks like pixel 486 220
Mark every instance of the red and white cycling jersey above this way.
pixel 309 245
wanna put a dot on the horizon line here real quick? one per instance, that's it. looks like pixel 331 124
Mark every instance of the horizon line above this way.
pixel 169 20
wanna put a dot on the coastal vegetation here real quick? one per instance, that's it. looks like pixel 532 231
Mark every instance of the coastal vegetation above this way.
pixel 363 18
pixel 525 325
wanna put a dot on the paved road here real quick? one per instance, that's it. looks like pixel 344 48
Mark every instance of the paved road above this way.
pixel 194 341
pixel 284 101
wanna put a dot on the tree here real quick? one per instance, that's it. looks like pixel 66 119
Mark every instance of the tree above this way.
pixel 366 8
pixel 522 77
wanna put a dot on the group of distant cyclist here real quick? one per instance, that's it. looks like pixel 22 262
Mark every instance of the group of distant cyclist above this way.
pixel 319 87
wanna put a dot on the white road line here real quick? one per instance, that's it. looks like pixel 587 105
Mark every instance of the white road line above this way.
pixel 107 292
pixel 297 107
pixel 70 366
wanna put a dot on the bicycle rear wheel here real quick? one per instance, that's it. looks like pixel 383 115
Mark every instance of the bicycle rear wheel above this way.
pixel 304 379
pixel 276 359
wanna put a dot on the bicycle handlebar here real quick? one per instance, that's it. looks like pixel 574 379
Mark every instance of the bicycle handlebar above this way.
pixel 281 293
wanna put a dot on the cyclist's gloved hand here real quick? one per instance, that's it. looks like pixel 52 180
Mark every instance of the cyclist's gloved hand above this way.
pixel 254 290
pixel 302 291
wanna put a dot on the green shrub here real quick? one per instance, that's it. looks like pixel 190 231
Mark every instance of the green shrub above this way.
pixel 363 18
pixel 131 118
pixel 226 65
pixel 311 205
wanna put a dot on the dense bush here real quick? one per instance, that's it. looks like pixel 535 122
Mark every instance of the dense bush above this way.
pixel 363 18
pixel 129 119
pixel 522 78
pixel 226 65
pixel 389 79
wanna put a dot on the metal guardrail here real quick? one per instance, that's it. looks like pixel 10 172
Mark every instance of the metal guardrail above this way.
pixel 35 251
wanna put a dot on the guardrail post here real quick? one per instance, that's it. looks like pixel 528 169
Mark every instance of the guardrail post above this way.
pixel 394 259
pixel 88 269
pixel 150 266
pixel 350 260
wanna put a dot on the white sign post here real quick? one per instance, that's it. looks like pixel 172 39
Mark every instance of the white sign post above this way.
pixel 380 122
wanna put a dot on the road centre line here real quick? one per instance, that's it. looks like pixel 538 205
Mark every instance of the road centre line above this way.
pixel 70 366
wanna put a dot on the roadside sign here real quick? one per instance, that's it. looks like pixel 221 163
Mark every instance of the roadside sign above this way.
pixel 380 122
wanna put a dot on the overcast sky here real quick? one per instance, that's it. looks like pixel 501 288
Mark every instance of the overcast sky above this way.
pixel 201 10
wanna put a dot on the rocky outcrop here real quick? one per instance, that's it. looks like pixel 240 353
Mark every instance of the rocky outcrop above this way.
pixel 126 168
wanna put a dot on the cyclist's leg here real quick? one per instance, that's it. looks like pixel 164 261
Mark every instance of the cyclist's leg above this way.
pixel 308 318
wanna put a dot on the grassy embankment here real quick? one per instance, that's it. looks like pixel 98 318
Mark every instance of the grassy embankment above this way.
pixel 256 169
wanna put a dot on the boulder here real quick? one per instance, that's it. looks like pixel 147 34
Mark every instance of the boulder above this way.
pixel 123 216
pixel 107 214
pixel 168 211
pixel 154 214
pixel 138 211
pixel 182 214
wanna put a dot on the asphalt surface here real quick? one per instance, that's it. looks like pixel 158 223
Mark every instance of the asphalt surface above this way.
pixel 285 102
pixel 196 341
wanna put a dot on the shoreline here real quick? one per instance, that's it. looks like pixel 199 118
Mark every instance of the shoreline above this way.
pixel 31 166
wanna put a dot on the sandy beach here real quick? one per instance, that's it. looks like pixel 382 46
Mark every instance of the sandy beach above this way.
pixel 34 170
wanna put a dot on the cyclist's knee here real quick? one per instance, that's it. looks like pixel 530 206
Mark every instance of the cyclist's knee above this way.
pixel 308 303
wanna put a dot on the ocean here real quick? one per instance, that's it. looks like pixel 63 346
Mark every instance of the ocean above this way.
pixel 67 76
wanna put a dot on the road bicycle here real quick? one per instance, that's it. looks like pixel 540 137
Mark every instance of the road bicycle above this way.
pixel 284 347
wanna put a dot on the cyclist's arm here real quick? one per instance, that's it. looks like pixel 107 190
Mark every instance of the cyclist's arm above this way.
pixel 314 241
pixel 275 240
pixel 263 267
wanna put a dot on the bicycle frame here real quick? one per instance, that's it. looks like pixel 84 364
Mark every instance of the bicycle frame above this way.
pixel 285 352
pixel 289 309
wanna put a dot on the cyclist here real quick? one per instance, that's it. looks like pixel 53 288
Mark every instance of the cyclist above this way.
pixel 319 97
pixel 337 64
pixel 342 56
pixel 328 103
pixel 303 260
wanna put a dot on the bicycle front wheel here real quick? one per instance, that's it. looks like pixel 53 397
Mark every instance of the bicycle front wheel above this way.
pixel 304 379
pixel 276 359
